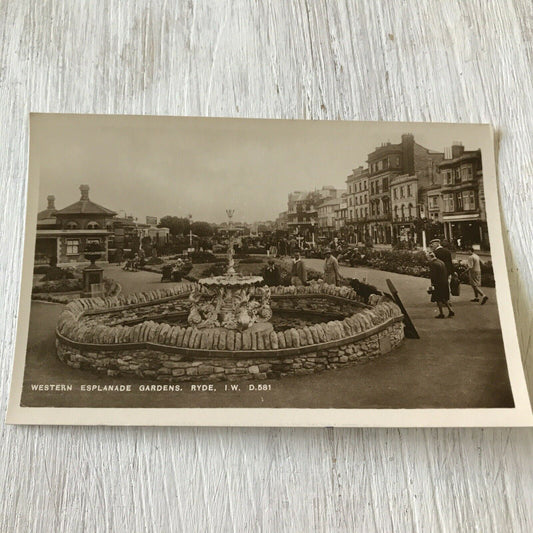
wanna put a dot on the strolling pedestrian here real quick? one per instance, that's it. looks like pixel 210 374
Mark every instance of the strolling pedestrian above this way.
pixel 439 290
pixel 474 277
pixel 443 254
pixel 298 271
pixel 332 275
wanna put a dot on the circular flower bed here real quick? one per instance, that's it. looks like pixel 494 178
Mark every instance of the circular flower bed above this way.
pixel 143 334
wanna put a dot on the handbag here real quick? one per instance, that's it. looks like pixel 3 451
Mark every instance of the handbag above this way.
pixel 455 285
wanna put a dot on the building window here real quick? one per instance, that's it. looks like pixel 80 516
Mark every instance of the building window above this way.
pixel 385 163
pixel 72 225
pixel 457 175
pixel 396 212
pixel 466 173
pixel 385 184
pixel 402 192
pixel 459 201
pixel 395 192
pixel 93 225
pixel 73 246
pixel 448 177
pixel 448 203
pixel 469 200
pixel 397 160
pixel 411 214
pixel 408 190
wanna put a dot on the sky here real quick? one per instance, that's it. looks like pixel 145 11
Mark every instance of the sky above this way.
pixel 159 166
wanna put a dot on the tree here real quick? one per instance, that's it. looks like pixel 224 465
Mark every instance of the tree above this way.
pixel 176 225
pixel 202 229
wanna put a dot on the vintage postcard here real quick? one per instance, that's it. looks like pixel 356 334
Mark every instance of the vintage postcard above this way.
pixel 209 271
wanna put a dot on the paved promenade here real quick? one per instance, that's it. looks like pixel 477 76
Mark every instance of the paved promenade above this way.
pixel 456 363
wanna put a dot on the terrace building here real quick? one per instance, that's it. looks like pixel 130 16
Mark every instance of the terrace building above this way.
pixel 405 207
pixel 303 210
pixel 326 216
pixel 358 206
pixel 434 204
pixel 464 212
pixel 341 216
pixel 385 163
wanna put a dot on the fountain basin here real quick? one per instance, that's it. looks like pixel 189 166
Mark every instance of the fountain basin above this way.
pixel 141 334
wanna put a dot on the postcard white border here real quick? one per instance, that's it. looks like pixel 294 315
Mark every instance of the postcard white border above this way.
pixel 520 415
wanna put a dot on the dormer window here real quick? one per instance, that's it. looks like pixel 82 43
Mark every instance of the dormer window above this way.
pixel 72 225
pixel 93 225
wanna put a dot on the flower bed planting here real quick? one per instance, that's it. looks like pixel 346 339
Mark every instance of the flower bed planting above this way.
pixel 63 291
pixel 412 263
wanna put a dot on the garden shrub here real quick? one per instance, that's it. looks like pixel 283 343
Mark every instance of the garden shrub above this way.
pixel 216 269
pixel 61 285
pixel 412 263
pixel 250 260
pixel 205 257
pixel 55 273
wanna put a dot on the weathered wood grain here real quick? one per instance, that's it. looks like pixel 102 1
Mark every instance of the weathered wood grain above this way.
pixel 424 60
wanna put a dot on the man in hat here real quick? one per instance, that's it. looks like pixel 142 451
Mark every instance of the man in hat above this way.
pixel 440 291
pixel 443 254
pixel 474 277
pixel 298 271
pixel 332 275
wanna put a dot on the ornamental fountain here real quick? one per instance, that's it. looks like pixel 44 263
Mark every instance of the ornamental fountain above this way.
pixel 232 301
pixel 223 329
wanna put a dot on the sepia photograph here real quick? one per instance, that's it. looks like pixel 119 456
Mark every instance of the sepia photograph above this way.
pixel 204 264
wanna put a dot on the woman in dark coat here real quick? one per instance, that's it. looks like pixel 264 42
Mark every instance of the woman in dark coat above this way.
pixel 271 274
pixel 439 281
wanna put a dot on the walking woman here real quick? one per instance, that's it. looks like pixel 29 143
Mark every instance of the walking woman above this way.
pixel 440 291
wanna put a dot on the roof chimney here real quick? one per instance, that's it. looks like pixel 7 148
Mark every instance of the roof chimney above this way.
pixel 457 149
pixel 51 202
pixel 84 192
pixel 408 153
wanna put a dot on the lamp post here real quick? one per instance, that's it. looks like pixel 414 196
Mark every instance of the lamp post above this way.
pixel 313 233
pixel 231 251
pixel 190 230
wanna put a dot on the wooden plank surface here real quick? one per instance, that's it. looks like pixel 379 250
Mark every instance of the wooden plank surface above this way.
pixel 367 60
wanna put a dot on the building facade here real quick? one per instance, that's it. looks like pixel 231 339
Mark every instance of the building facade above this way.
pixel 64 234
pixel 405 207
pixel 463 201
pixel 357 186
pixel 303 211
pixel 326 217
pixel 387 162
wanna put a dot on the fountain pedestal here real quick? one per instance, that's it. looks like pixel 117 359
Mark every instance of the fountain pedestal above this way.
pixel 232 301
